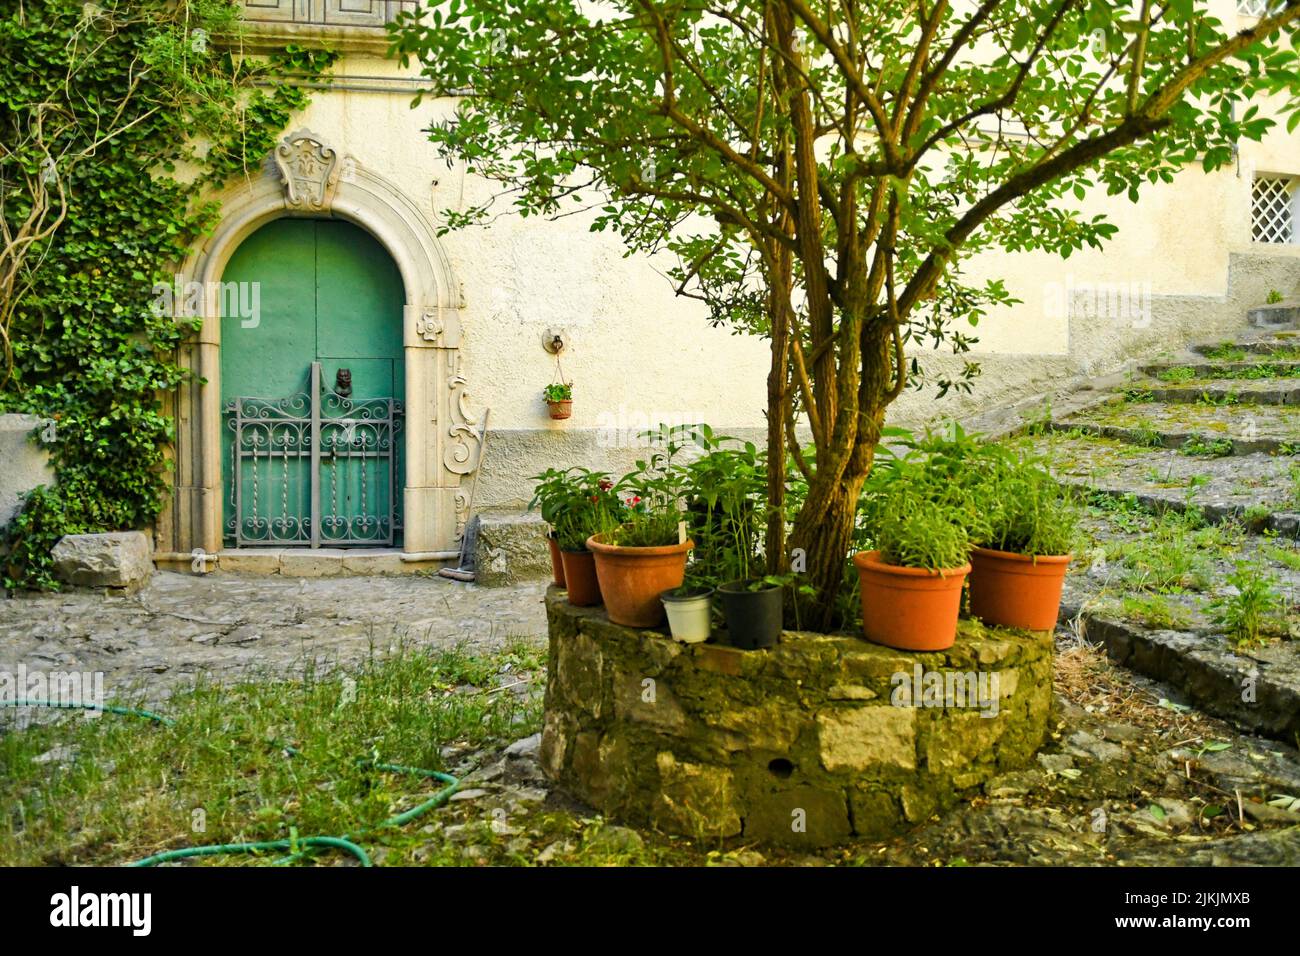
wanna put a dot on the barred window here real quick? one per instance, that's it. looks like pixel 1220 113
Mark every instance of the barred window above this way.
pixel 1257 8
pixel 1272 212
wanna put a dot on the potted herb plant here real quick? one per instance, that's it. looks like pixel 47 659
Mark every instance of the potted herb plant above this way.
pixel 1018 569
pixel 590 506
pixel 559 400
pixel 755 611
pixel 911 582
pixel 639 554
pixel 553 491
pixel 580 579
pixel 690 612
pixel 725 490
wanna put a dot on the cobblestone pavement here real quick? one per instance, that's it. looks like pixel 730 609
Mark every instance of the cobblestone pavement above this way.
pixel 222 626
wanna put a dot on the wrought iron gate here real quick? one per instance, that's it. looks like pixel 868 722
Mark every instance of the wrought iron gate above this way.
pixel 314 469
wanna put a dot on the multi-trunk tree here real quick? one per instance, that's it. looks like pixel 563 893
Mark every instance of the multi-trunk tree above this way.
pixel 821 169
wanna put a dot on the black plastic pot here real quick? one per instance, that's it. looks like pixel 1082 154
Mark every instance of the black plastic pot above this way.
pixel 753 617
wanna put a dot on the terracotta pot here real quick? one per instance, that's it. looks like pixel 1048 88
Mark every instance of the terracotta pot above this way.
pixel 557 564
pixel 560 410
pixel 1017 590
pixel 913 609
pixel 580 578
pixel 631 579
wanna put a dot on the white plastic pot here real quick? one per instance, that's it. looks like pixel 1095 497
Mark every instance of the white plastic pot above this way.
pixel 690 616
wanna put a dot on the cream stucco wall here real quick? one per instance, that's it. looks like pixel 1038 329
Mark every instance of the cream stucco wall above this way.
pixel 631 342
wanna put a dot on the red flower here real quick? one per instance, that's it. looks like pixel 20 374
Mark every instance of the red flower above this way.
pixel 605 485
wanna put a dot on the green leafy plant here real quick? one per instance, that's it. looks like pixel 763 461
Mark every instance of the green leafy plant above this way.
pixel 1155 611
pixel 1231 397
pixel 1024 509
pixel 1198 445
pixel 558 392
pixel 914 533
pixel 1226 352
pixel 577 502
pixel 1273 297
pixel 809 167
pixel 643 523
pixel 1166 557
pixel 919 511
pixel 104 105
pixel 1177 374
pixel 1245 613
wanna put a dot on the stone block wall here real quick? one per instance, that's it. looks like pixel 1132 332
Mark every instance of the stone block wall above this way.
pixel 814 742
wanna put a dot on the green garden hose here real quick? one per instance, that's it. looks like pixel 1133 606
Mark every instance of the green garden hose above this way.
pixel 105 708
pixel 300 847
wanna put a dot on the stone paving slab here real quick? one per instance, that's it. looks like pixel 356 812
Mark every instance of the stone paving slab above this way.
pixel 223 626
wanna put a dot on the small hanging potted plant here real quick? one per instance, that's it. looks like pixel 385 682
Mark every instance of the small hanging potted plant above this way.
pixel 559 400
pixel 639 555
pixel 1018 571
pixel 690 612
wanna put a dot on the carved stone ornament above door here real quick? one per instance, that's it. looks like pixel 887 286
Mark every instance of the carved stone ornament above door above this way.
pixel 309 170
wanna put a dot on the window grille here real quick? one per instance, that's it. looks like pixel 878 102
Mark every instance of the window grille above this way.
pixel 344 13
pixel 1271 214
pixel 1257 8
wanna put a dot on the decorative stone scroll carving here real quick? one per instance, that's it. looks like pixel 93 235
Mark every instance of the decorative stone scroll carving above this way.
pixel 310 172
pixel 463 451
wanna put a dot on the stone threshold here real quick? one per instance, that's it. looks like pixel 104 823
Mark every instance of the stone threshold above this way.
pixel 312 562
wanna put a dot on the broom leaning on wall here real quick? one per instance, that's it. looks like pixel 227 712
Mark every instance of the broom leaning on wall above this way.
pixel 460 572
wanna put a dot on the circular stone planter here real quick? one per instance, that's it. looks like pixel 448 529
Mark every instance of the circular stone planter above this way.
pixel 821 740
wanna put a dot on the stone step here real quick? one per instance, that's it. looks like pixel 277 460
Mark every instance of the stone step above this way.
pixel 1282 344
pixel 1216 391
pixel 1260 490
pixel 1282 523
pixel 1263 369
pixel 1191 441
pixel 1268 429
pixel 1209 672
pixel 1280 315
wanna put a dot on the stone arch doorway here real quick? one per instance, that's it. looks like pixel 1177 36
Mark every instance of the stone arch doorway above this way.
pixel 312 389
pixel 310 179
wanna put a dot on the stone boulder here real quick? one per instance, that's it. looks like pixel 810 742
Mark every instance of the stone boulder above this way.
pixel 121 559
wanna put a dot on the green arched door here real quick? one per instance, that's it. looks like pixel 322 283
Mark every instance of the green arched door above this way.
pixel 306 462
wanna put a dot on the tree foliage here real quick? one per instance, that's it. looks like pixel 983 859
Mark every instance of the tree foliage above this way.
pixel 821 170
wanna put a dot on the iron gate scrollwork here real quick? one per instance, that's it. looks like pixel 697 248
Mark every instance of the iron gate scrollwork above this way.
pixel 314 469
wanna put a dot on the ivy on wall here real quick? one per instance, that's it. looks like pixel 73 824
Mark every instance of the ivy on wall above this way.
pixel 115 119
